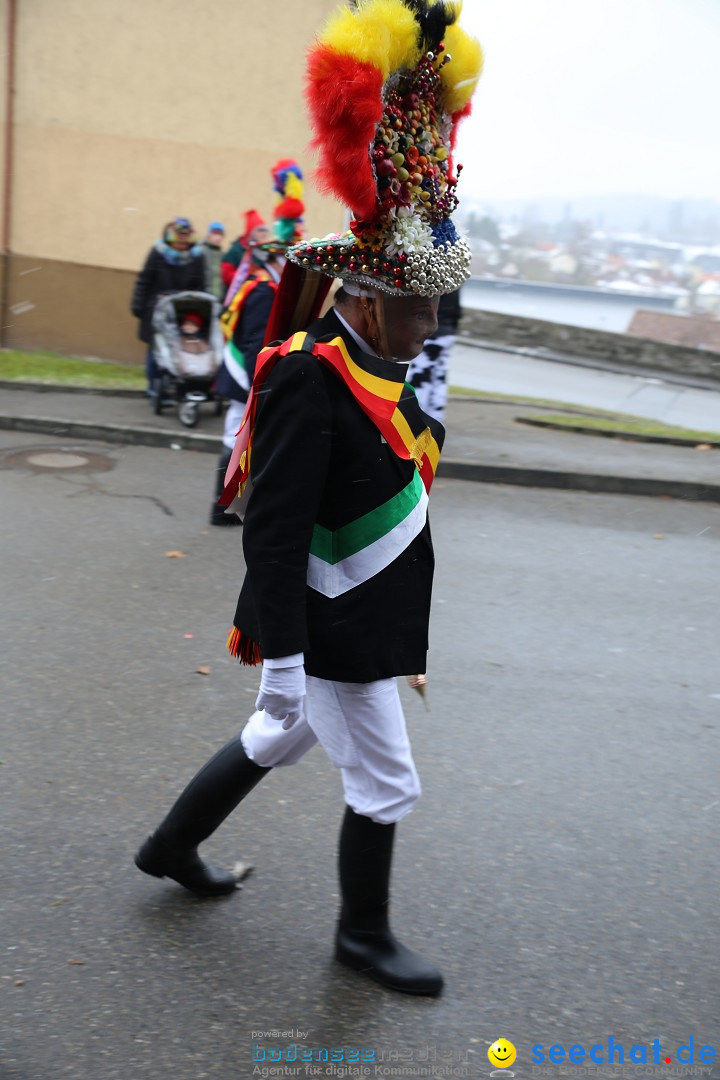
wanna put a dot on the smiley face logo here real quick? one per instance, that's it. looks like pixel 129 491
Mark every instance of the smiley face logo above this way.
pixel 501 1054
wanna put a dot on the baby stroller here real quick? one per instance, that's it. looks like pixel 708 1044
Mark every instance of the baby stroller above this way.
pixel 187 362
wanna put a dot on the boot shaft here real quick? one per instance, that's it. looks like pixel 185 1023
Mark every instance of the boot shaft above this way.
pixel 364 865
pixel 213 793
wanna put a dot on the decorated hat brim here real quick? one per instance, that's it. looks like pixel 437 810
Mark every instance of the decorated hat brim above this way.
pixel 425 271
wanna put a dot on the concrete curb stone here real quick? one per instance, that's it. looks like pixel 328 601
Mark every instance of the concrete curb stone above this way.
pixel 628 435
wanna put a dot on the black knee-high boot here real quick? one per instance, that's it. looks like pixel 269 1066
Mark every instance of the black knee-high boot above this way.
pixel 217 513
pixel 364 939
pixel 208 799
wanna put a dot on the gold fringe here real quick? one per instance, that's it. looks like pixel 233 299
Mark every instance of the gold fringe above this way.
pixel 420 446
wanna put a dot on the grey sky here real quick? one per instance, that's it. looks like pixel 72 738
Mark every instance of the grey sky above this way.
pixel 588 97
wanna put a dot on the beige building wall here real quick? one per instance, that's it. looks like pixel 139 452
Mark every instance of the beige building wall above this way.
pixel 4 50
pixel 4 58
pixel 127 115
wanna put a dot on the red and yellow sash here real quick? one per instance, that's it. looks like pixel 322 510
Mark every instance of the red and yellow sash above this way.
pixel 378 398
pixel 230 315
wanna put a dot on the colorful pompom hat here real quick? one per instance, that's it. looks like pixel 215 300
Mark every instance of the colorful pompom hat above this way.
pixel 387 83
pixel 287 216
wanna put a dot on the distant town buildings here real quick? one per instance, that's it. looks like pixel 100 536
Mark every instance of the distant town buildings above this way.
pixel 569 252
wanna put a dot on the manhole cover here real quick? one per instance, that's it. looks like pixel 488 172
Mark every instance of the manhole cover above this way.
pixel 57 461
pixel 64 459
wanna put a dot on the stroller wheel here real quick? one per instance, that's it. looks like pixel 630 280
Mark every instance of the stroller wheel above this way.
pixel 188 413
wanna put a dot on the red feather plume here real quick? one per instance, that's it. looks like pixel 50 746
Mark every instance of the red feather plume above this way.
pixel 456 118
pixel 345 102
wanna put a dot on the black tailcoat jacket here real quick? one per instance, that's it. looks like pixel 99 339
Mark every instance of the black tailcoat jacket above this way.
pixel 336 538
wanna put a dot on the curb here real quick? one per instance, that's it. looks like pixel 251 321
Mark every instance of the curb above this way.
pixel 628 436
pixel 114 433
pixel 55 388
pixel 448 469
pixel 575 481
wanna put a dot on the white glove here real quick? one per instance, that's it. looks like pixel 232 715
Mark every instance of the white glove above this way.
pixel 282 688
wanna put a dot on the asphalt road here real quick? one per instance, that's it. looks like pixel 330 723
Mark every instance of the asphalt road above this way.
pixel 562 864
pixel 639 394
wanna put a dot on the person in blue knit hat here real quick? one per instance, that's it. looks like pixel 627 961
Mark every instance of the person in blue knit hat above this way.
pixel 212 253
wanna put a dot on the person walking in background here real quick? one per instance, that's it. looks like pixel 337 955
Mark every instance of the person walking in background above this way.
pixel 213 253
pixel 428 372
pixel 175 263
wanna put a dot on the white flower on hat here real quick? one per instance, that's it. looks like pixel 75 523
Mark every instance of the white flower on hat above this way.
pixel 407 232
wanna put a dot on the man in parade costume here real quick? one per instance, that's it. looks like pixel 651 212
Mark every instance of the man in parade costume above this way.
pixel 332 467
pixel 245 317
pixel 243 322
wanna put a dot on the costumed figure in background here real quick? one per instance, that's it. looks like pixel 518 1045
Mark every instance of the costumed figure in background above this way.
pixel 174 264
pixel 428 372
pixel 245 318
pixel 256 232
pixel 332 467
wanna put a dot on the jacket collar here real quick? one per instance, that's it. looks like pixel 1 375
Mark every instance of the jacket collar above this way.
pixel 329 327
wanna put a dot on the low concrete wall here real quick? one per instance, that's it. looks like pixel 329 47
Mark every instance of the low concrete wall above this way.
pixel 620 350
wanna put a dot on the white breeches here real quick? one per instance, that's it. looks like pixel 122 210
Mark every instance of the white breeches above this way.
pixel 362 729
pixel 233 419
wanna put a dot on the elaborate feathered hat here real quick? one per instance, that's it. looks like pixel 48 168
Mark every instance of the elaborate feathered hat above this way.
pixel 387 83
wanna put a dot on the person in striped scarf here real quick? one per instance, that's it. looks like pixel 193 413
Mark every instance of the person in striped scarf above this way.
pixel 331 471
pixel 247 309
pixel 243 323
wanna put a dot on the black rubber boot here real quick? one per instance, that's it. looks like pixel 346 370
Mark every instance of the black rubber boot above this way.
pixel 217 513
pixel 208 799
pixel 364 939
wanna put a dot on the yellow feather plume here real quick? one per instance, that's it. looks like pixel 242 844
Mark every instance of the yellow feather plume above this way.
pixel 460 76
pixel 379 32
pixel 293 187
